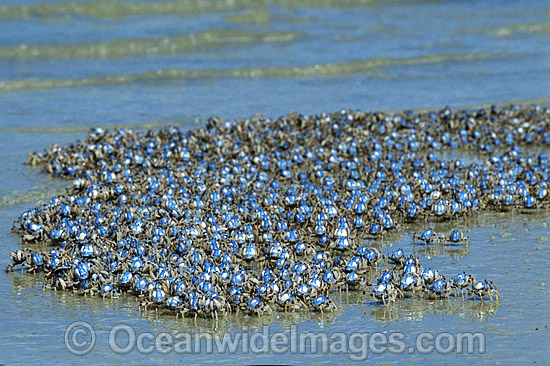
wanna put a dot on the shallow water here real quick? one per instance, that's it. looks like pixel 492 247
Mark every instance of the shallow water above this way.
pixel 67 67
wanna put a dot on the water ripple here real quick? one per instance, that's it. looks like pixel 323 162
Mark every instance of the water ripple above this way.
pixel 327 70
pixel 143 46
pixel 540 28
pixel 112 9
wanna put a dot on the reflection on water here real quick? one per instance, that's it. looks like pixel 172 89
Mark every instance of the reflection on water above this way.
pixel 409 308
pixel 417 309
pixel 453 250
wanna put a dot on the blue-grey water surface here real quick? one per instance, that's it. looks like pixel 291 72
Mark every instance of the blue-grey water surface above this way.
pixel 66 67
